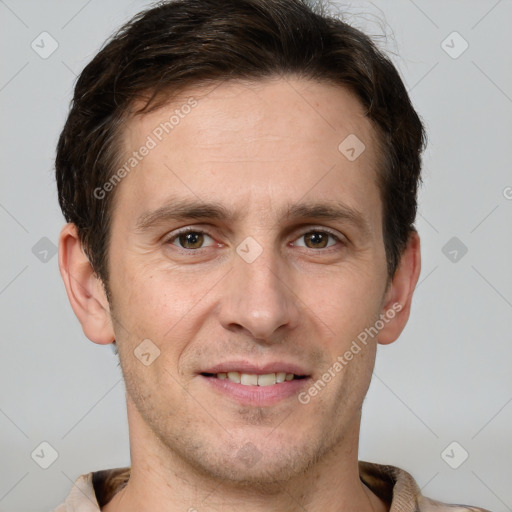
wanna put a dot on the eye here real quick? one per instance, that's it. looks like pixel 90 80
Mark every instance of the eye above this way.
pixel 317 239
pixel 189 239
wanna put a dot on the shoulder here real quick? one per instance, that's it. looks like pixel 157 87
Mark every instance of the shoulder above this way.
pixel 108 482
pixel 92 491
pixel 429 505
pixel 399 489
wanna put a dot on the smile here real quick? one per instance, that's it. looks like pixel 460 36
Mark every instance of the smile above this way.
pixel 263 389
pixel 253 379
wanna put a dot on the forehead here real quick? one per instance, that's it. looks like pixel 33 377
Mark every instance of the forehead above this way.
pixel 241 142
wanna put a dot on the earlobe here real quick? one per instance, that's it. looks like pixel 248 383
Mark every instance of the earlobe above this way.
pixel 85 290
pixel 397 305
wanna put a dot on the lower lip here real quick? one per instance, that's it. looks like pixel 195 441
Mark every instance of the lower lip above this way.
pixel 257 395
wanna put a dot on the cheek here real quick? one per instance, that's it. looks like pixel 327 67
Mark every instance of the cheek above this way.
pixel 160 307
pixel 149 298
pixel 348 300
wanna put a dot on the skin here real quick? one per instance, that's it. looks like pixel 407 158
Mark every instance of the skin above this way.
pixel 255 148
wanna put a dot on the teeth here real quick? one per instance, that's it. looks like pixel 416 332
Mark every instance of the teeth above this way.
pixel 267 380
pixel 233 377
pixel 248 379
pixel 251 379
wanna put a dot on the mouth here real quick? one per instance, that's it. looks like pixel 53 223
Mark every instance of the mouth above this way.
pixel 257 385
pixel 255 379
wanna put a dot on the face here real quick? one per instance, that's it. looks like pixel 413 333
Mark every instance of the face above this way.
pixel 245 242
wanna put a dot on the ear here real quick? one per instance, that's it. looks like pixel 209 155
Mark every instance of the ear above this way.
pixel 85 290
pixel 397 302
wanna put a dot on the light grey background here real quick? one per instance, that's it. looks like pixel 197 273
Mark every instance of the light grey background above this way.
pixel 449 376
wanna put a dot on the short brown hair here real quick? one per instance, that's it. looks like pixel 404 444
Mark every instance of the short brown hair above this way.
pixel 182 43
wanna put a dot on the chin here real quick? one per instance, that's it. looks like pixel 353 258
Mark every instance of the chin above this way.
pixel 258 464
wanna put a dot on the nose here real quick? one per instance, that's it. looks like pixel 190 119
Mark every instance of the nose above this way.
pixel 258 299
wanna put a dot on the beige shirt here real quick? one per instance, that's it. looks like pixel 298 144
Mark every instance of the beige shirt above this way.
pixel 393 485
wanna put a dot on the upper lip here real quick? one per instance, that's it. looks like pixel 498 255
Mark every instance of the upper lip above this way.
pixel 256 368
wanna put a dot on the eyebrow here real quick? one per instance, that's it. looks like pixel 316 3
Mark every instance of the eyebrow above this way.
pixel 183 209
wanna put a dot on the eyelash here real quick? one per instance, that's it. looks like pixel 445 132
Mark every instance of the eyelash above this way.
pixel 176 235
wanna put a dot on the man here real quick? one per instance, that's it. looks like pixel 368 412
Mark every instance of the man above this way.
pixel 239 179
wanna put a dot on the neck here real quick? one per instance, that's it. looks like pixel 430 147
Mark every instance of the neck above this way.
pixel 161 480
